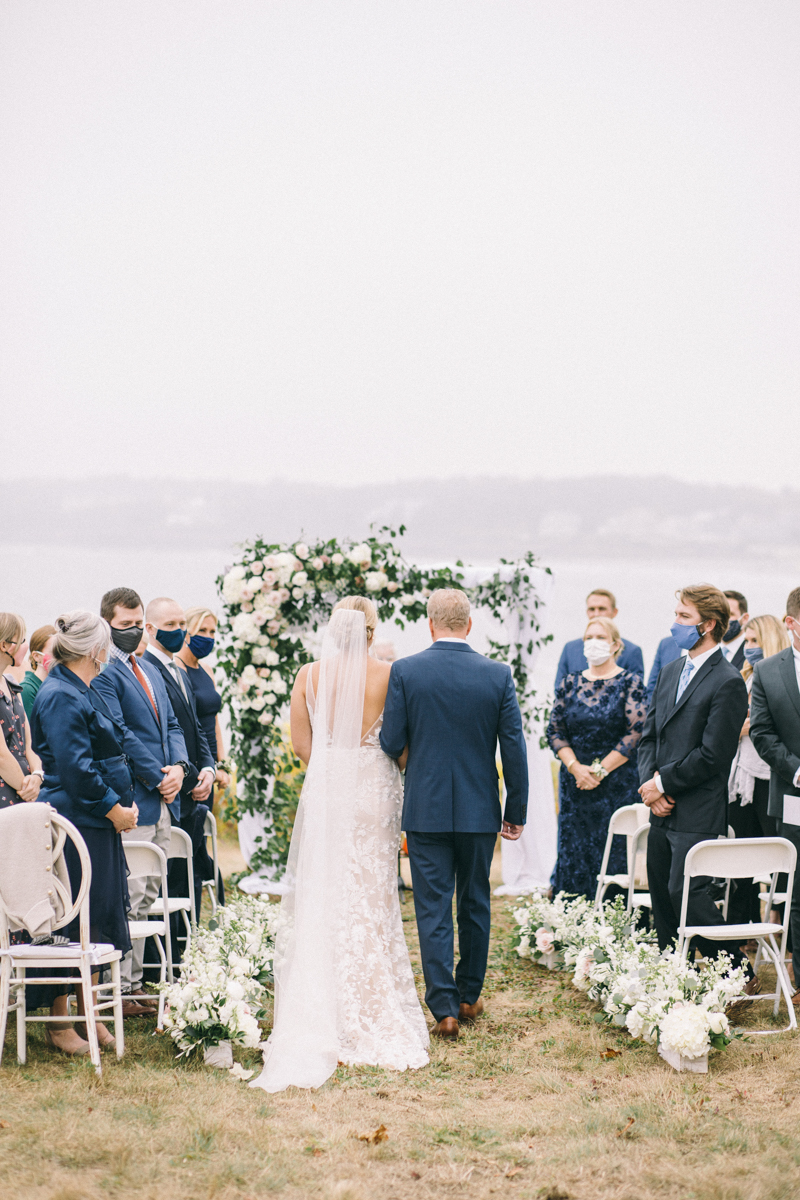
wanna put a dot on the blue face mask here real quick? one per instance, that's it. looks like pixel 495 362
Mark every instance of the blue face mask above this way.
pixel 686 636
pixel 753 654
pixel 200 646
pixel 171 639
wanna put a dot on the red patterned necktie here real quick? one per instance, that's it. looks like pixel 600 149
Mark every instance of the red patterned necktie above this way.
pixel 137 670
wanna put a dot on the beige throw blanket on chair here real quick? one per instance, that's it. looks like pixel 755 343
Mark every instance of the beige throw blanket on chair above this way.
pixel 32 869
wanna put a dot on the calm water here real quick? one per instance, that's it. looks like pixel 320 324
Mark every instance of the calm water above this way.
pixel 41 581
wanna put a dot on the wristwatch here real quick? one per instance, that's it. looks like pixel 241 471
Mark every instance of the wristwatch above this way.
pixel 185 765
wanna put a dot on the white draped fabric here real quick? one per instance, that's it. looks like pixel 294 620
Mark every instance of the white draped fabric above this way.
pixel 527 863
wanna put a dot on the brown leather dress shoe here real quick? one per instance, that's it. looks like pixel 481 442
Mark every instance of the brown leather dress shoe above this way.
pixel 446 1028
pixel 131 1008
pixel 144 997
pixel 469 1013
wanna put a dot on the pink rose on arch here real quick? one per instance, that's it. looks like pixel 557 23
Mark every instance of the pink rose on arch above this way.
pixel 544 941
pixel 274 627
pixel 259 617
pixel 283 595
pixel 392 586
pixel 270 579
pixel 246 593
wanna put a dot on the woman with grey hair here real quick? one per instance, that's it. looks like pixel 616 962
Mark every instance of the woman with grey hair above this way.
pixel 88 780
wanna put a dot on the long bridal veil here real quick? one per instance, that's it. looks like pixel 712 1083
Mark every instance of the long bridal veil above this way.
pixel 303 1049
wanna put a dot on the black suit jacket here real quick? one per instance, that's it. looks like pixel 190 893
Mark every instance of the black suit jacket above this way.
pixel 692 743
pixel 197 750
pixel 775 724
pixel 738 659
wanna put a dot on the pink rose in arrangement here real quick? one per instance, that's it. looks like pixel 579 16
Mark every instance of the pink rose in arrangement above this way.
pixel 283 595
pixel 544 941
pixel 270 579
pixel 273 628
pixel 392 586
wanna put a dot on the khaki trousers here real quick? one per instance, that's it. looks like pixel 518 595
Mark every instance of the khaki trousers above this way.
pixel 143 891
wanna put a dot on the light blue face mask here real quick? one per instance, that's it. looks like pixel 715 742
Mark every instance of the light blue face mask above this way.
pixel 753 654
pixel 686 636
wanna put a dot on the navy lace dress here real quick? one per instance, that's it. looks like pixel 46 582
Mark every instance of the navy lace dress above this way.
pixel 594 717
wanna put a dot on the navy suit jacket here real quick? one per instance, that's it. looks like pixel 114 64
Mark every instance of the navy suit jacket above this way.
pixel 450 706
pixel 692 743
pixel 667 652
pixel 573 659
pixel 149 743
pixel 80 745
pixel 198 753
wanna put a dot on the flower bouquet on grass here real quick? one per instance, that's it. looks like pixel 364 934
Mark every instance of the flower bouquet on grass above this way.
pixel 224 981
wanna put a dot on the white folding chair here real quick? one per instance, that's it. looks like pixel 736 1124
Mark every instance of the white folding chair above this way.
pixel 210 831
pixel 145 859
pixel 83 956
pixel 180 846
pixel 628 822
pixel 741 858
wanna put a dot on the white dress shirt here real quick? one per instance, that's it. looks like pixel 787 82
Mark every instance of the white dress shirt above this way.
pixel 176 673
pixel 462 640
pixel 697 663
pixel 729 649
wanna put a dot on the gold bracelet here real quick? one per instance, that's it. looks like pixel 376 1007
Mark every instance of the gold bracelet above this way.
pixel 569 766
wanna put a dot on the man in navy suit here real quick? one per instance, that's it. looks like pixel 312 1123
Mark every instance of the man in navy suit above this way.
pixel 165 623
pixel 450 706
pixel 599 603
pixel 137 697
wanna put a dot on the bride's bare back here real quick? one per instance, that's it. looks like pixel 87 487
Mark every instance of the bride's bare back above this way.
pixel 375 689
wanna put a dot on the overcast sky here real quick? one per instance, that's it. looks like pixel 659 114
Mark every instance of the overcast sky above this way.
pixel 362 241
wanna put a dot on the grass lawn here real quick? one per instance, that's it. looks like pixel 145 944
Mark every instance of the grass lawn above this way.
pixel 529 1104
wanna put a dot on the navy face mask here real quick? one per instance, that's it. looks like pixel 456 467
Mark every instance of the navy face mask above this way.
pixel 686 636
pixel 200 646
pixel 753 654
pixel 171 639
pixel 733 631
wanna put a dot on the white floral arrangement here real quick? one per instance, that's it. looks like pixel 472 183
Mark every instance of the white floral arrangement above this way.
pixel 657 997
pixel 225 977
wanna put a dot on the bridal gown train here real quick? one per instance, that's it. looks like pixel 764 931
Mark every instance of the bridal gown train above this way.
pixel 344 987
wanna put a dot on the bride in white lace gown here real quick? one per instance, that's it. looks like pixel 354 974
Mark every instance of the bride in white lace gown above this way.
pixel 344 987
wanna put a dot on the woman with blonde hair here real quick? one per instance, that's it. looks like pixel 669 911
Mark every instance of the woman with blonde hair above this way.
pixel 595 726
pixel 344 987
pixel 748 785
pixel 201 629
pixel 20 769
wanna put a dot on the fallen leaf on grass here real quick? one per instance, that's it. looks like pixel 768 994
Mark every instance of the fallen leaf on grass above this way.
pixel 512 1171
pixel 382 1095
pixel 416 1175
pixel 7 1124
pixel 378 1135
pixel 609 1053
pixel 622 1132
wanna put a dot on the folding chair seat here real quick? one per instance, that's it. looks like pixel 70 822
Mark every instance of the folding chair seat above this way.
pixel 633 823
pixel 742 858
pixel 82 958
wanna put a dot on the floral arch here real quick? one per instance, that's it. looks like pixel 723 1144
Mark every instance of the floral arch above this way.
pixel 275 598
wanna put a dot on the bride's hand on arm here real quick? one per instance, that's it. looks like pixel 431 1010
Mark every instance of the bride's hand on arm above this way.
pixel 403 759
pixel 299 721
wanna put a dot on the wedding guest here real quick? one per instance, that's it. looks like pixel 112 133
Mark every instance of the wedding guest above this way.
pixel 595 726
pixel 14 659
pixel 775 731
pixel 748 786
pixel 201 629
pixel 733 638
pixel 165 623
pixel 40 660
pixel 685 755
pixel 599 603
pixel 137 698
pixel 88 780
pixel 20 769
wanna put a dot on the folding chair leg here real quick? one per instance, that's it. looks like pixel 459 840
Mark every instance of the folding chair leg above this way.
pixel 5 999
pixel 89 1015
pixel 162 979
pixel 22 1025
pixel 188 927
pixel 116 992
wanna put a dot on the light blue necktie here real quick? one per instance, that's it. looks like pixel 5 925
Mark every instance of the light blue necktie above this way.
pixel 686 675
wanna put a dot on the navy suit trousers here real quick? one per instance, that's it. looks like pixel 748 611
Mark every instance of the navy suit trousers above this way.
pixel 442 863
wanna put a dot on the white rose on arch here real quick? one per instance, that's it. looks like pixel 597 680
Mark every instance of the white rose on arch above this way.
pixel 317 564
pixel 265 718
pixel 256 568
pixel 302 551
pixel 374 581
pixel 361 555
pixel 300 579
pixel 337 560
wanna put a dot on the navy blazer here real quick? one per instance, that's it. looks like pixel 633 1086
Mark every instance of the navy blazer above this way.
pixel 450 706
pixel 666 652
pixel 573 659
pixel 80 744
pixel 149 742
pixel 692 743
pixel 198 753
pixel 775 724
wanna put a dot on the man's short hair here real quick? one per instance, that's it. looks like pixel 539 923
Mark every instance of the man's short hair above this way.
pixel 448 608
pixel 603 592
pixel 740 600
pixel 118 598
pixel 793 603
pixel 712 605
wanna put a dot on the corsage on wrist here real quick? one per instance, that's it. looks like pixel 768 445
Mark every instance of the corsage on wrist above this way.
pixel 598 770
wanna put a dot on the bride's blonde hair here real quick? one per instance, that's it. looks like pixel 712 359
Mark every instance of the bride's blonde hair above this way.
pixel 361 604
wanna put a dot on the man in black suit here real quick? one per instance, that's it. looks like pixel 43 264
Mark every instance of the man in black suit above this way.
pixel 690 737
pixel 733 637
pixel 775 733
pixel 166 631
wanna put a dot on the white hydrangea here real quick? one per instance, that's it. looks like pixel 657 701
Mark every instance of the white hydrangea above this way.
pixel 684 1030
pixel 360 555
pixel 374 581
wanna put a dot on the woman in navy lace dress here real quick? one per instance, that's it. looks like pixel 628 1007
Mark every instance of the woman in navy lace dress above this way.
pixel 595 726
